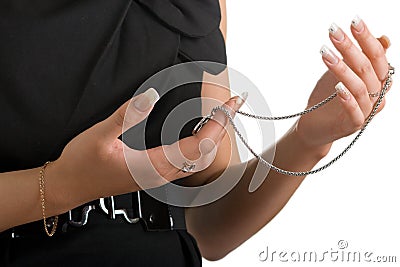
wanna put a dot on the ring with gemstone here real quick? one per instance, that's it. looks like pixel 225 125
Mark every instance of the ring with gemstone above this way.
pixel 188 166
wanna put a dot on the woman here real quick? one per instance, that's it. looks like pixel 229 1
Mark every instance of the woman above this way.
pixel 68 71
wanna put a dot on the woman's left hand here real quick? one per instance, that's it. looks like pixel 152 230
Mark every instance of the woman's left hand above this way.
pixel 362 73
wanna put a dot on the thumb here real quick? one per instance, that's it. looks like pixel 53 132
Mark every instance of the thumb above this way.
pixel 129 114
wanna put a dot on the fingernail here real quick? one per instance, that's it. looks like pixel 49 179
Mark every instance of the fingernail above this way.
pixel 146 100
pixel 240 100
pixel 342 91
pixel 328 55
pixel 336 32
pixel 357 24
pixel 385 41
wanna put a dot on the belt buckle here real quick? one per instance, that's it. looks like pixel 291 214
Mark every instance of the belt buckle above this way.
pixel 109 209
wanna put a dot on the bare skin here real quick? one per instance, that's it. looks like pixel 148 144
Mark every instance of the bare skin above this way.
pixel 217 227
pixel 83 171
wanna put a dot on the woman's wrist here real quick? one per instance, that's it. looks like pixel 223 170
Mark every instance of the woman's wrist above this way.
pixel 315 151
pixel 64 191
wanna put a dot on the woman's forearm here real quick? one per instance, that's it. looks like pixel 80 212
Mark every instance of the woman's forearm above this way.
pixel 225 224
pixel 20 198
pixel 91 166
pixel 94 165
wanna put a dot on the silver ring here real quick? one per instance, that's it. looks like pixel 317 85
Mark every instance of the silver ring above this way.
pixel 201 123
pixel 188 166
pixel 376 94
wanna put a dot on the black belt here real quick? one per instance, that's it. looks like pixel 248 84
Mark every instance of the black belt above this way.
pixel 129 208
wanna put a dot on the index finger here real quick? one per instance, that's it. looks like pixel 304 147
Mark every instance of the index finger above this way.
pixel 215 128
pixel 196 153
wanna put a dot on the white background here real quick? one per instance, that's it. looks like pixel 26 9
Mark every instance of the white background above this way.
pixel 276 44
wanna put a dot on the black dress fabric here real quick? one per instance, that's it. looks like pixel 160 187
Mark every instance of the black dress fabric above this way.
pixel 68 64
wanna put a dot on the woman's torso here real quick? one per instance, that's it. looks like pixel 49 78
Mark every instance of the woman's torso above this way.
pixel 66 65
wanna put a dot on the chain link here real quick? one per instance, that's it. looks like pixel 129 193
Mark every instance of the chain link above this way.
pixel 386 86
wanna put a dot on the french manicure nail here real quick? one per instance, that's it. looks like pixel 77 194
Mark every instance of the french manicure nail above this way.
pixel 342 91
pixel 144 101
pixel 242 98
pixel 328 55
pixel 336 32
pixel 357 24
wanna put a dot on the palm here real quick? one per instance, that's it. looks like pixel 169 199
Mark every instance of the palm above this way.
pixel 330 122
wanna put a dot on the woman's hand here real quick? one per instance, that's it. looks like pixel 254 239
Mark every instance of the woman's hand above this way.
pixel 362 72
pixel 95 161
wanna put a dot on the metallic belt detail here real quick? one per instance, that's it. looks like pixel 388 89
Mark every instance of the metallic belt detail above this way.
pixel 85 216
pixel 139 205
pixel 112 212
pixel 156 216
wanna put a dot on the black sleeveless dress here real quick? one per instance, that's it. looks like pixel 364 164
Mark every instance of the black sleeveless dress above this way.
pixel 68 64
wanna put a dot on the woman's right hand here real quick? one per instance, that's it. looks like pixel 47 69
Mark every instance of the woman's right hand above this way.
pixel 93 164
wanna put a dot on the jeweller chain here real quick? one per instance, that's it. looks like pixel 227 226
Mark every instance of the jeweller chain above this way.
pixel 382 93
pixel 272 118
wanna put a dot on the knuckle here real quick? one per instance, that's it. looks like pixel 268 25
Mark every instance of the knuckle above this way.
pixel 347 45
pixel 366 68
pixel 341 69
pixel 104 153
pixel 377 53
pixel 359 91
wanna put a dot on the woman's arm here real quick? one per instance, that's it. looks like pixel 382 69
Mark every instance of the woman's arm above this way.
pixel 20 198
pixel 223 225
pixel 72 179
pixel 94 165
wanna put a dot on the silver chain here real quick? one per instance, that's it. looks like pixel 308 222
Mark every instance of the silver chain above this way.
pixel 382 93
pixel 272 118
